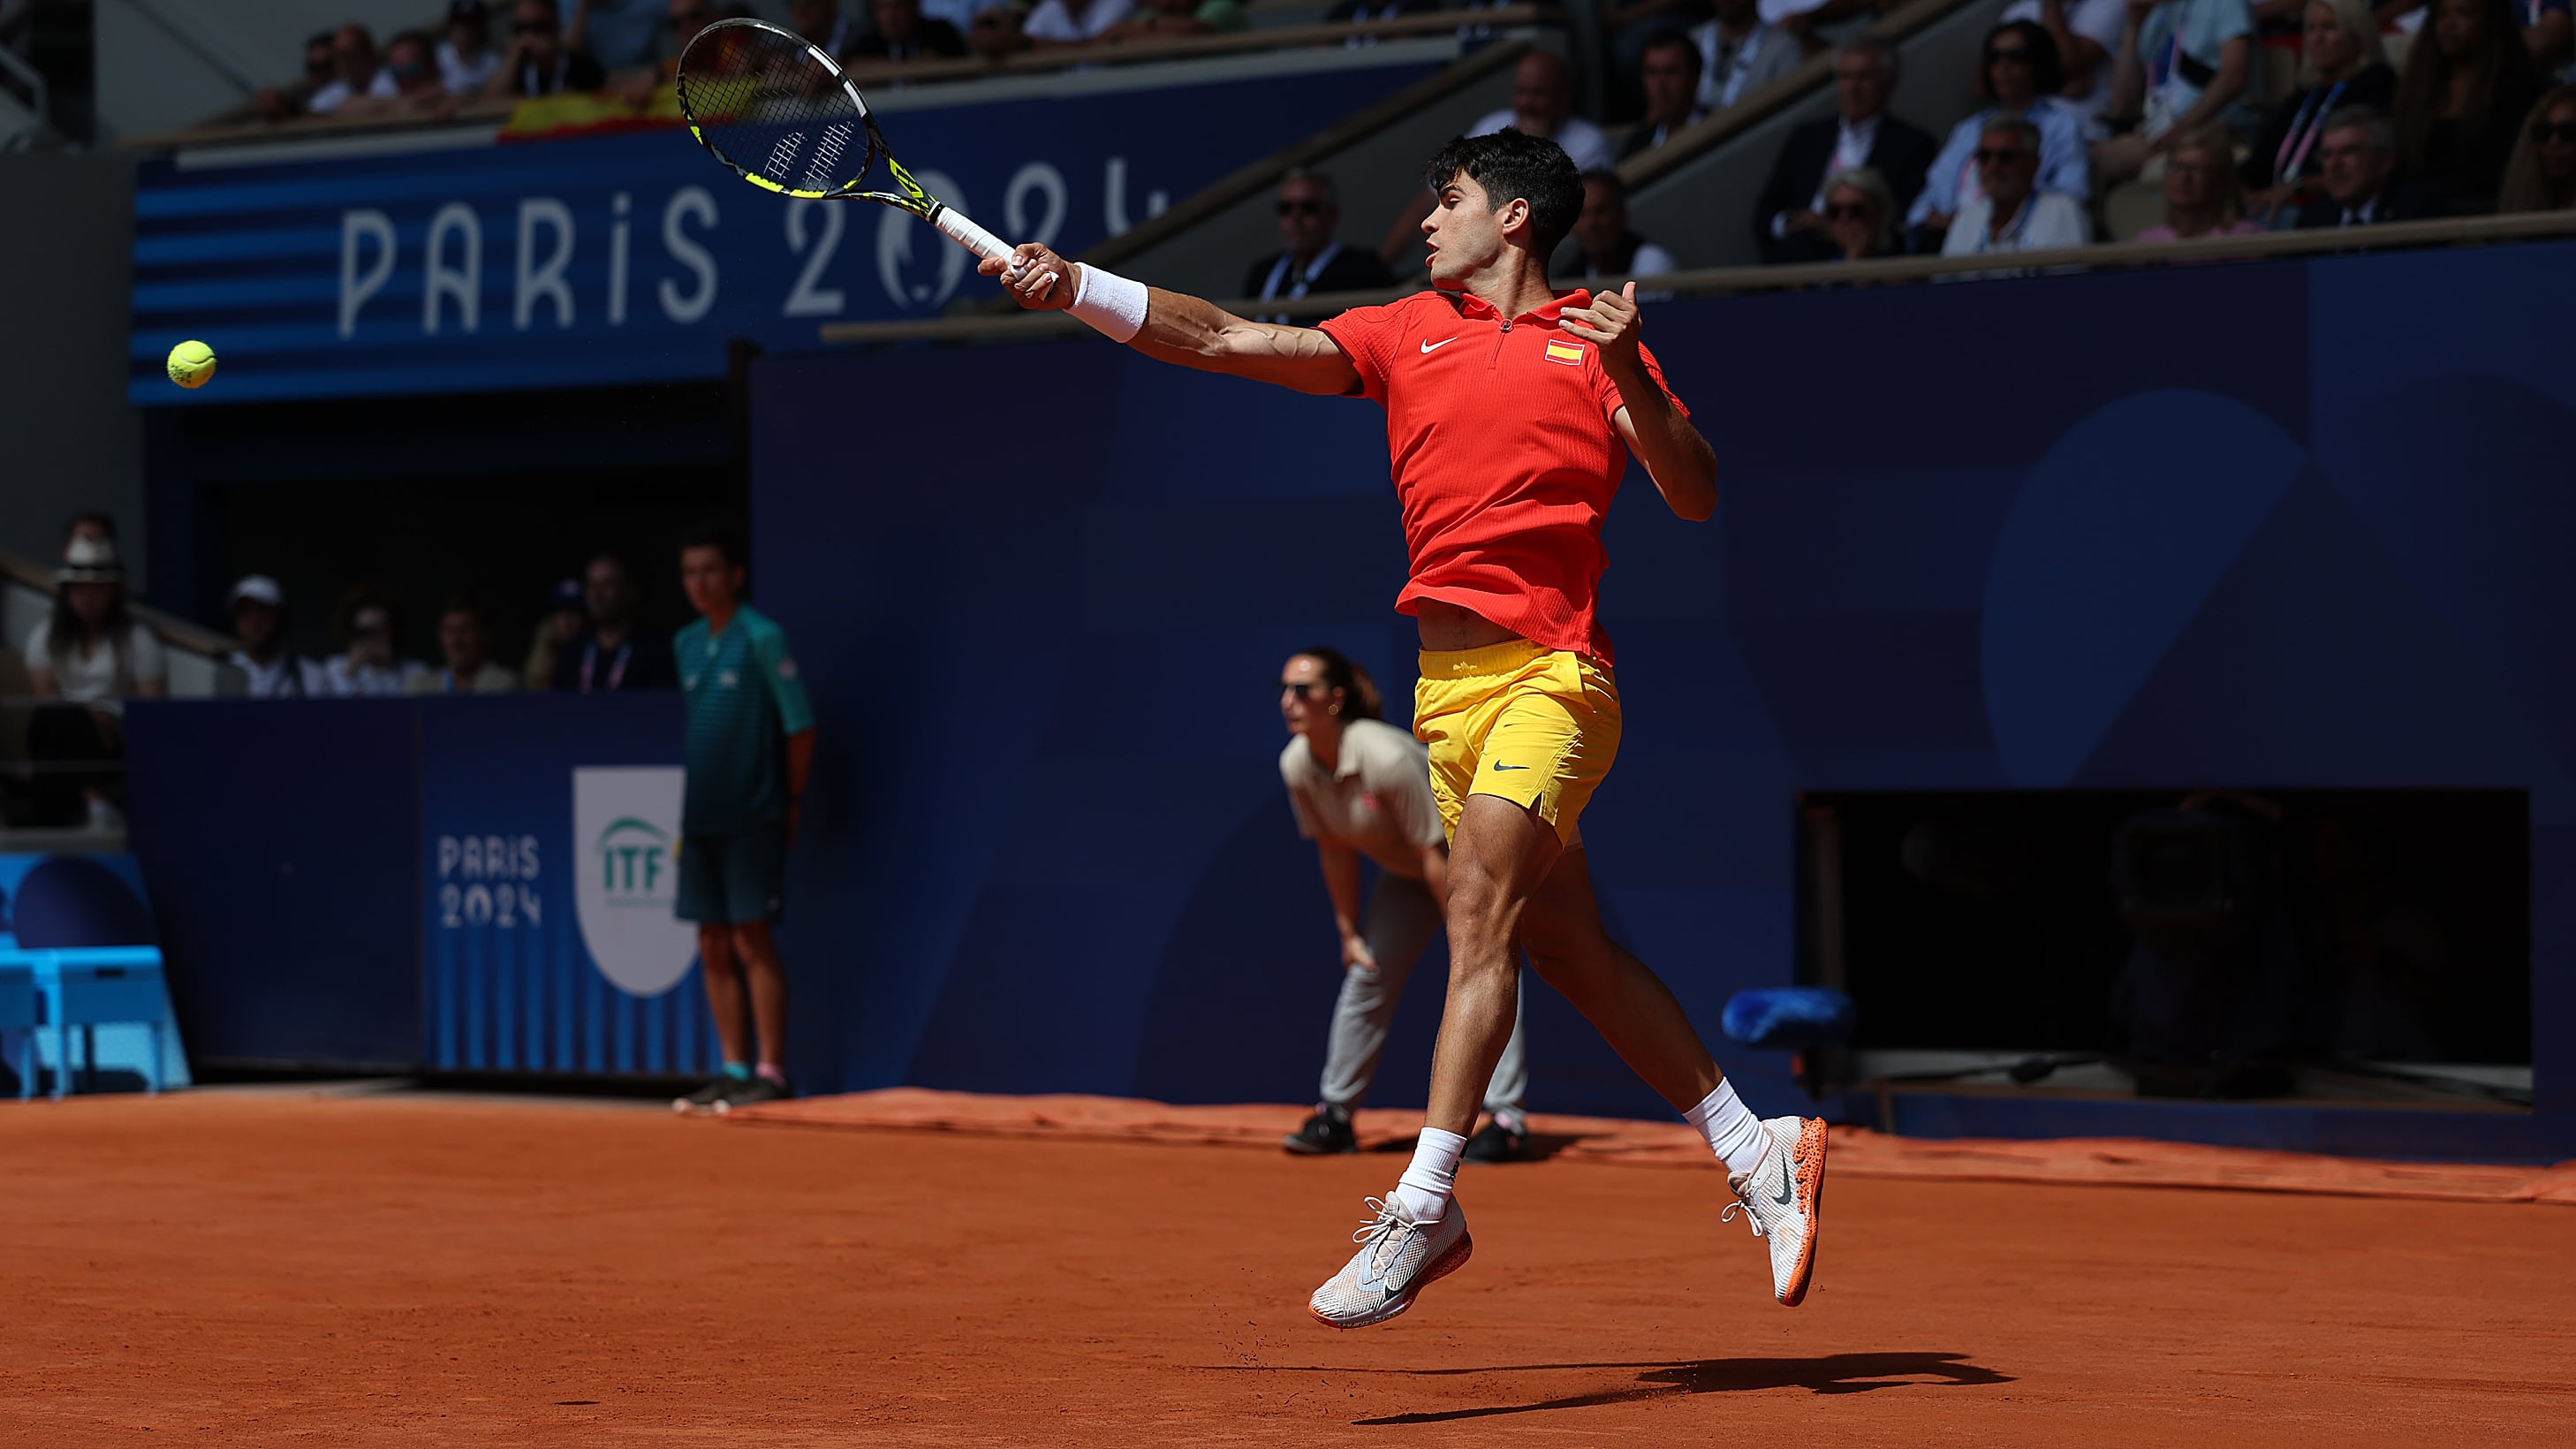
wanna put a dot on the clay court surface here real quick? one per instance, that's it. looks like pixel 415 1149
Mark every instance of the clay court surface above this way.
pixel 278 1267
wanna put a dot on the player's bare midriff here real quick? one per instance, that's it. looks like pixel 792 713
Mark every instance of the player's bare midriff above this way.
pixel 1447 627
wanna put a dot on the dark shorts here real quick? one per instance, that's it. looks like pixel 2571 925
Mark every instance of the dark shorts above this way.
pixel 732 879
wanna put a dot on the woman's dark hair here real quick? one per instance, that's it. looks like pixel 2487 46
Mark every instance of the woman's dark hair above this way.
pixel 2505 68
pixel 2526 188
pixel 1510 164
pixel 1360 698
pixel 63 627
pixel 2047 67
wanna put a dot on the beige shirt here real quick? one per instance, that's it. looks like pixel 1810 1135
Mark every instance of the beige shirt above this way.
pixel 1376 800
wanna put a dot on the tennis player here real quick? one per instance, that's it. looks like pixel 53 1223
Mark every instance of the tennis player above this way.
pixel 1508 405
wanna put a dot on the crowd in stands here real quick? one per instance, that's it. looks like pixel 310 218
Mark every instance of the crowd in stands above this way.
pixel 2092 119
pixel 88 655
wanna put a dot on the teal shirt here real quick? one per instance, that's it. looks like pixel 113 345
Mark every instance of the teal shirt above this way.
pixel 744 700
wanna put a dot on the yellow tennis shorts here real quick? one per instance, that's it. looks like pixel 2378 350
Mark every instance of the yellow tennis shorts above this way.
pixel 1533 725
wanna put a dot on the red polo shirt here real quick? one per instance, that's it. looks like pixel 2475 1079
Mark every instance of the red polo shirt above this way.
pixel 1504 456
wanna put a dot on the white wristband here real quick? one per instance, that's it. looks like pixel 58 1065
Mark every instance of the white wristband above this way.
pixel 1113 305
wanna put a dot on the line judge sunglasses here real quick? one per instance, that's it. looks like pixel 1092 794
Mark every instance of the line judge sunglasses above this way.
pixel 2546 130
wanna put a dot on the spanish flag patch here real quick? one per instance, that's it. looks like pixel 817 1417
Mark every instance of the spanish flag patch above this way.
pixel 1569 353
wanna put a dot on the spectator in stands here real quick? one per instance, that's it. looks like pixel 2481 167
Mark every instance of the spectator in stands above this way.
pixel 1739 54
pixel 275 670
pixel 613 653
pixel 1602 244
pixel 996 32
pixel 466 60
pixel 2341 63
pixel 2202 197
pixel 2013 213
pixel 2183 64
pixel 567 615
pixel 2018 75
pixel 89 652
pixel 1634 25
pixel 1860 215
pixel 2542 174
pixel 2357 157
pixel 355 71
pixel 96 527
pixel 903 34
pixel 2470 80
pixel 368 665
pixel 2087 33
pixel 466 641
pixel 822 22
pixel 411 60
pixel 1543 105
pixel 1074 22
pixel 1166 19
pixel 2551 33
pixel 2545 27
pixel 1788 219
pixel 1669 74
pixel 618 34
pixel 279 103
pixel 539 63
pixel 1312 258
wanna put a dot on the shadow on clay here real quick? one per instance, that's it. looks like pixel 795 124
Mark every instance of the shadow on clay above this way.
pixel 1839 1373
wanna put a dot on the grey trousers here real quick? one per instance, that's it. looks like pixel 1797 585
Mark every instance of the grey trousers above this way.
pixel 1401 920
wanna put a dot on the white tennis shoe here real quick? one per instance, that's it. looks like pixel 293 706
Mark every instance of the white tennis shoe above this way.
pixel 1398 1258
pixel 1781 1197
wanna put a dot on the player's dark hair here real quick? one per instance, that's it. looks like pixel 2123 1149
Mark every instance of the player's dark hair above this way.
pixel 1360 699
pixel 1510 164
pixel 719 538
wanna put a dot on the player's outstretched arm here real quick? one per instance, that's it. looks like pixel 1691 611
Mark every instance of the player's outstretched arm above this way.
pixel 1680 461
pixel 1182 329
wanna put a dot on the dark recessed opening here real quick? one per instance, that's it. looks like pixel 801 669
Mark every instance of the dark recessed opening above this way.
pixel 2353 944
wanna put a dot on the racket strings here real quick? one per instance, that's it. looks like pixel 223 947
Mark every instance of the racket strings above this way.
pixel 771 110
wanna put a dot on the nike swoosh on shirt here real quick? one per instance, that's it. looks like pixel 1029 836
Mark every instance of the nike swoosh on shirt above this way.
pixel 1499 765
pixel 1436 346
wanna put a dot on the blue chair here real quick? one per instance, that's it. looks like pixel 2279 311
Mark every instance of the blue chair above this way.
pixel 21 1010
pixel 95 986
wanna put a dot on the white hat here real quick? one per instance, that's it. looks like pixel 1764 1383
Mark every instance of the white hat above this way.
pixel 259 588
pixel 88 560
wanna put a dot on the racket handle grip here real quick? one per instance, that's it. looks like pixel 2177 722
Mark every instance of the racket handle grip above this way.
pixel 974 238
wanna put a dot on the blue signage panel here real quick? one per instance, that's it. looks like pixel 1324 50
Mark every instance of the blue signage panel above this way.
pixel 634 257
pixel 549 844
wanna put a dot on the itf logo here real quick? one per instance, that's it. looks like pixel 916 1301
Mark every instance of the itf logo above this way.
pixel 626 829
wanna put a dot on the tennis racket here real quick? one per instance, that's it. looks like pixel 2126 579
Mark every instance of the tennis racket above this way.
pixel 782 115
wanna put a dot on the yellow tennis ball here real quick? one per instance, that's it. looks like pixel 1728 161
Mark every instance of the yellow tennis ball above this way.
pixel 192 364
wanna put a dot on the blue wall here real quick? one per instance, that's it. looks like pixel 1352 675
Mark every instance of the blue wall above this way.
pixel 2297 524
pixel 2292 524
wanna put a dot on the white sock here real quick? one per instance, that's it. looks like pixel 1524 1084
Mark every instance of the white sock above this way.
pixel 1733 1132
pixel 1433 1175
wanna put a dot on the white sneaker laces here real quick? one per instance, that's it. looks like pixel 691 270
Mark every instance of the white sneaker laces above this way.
pixel 1743 1204
pixel 1388 1231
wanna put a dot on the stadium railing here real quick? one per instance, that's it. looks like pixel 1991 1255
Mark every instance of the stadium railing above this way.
pixel 1727 281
